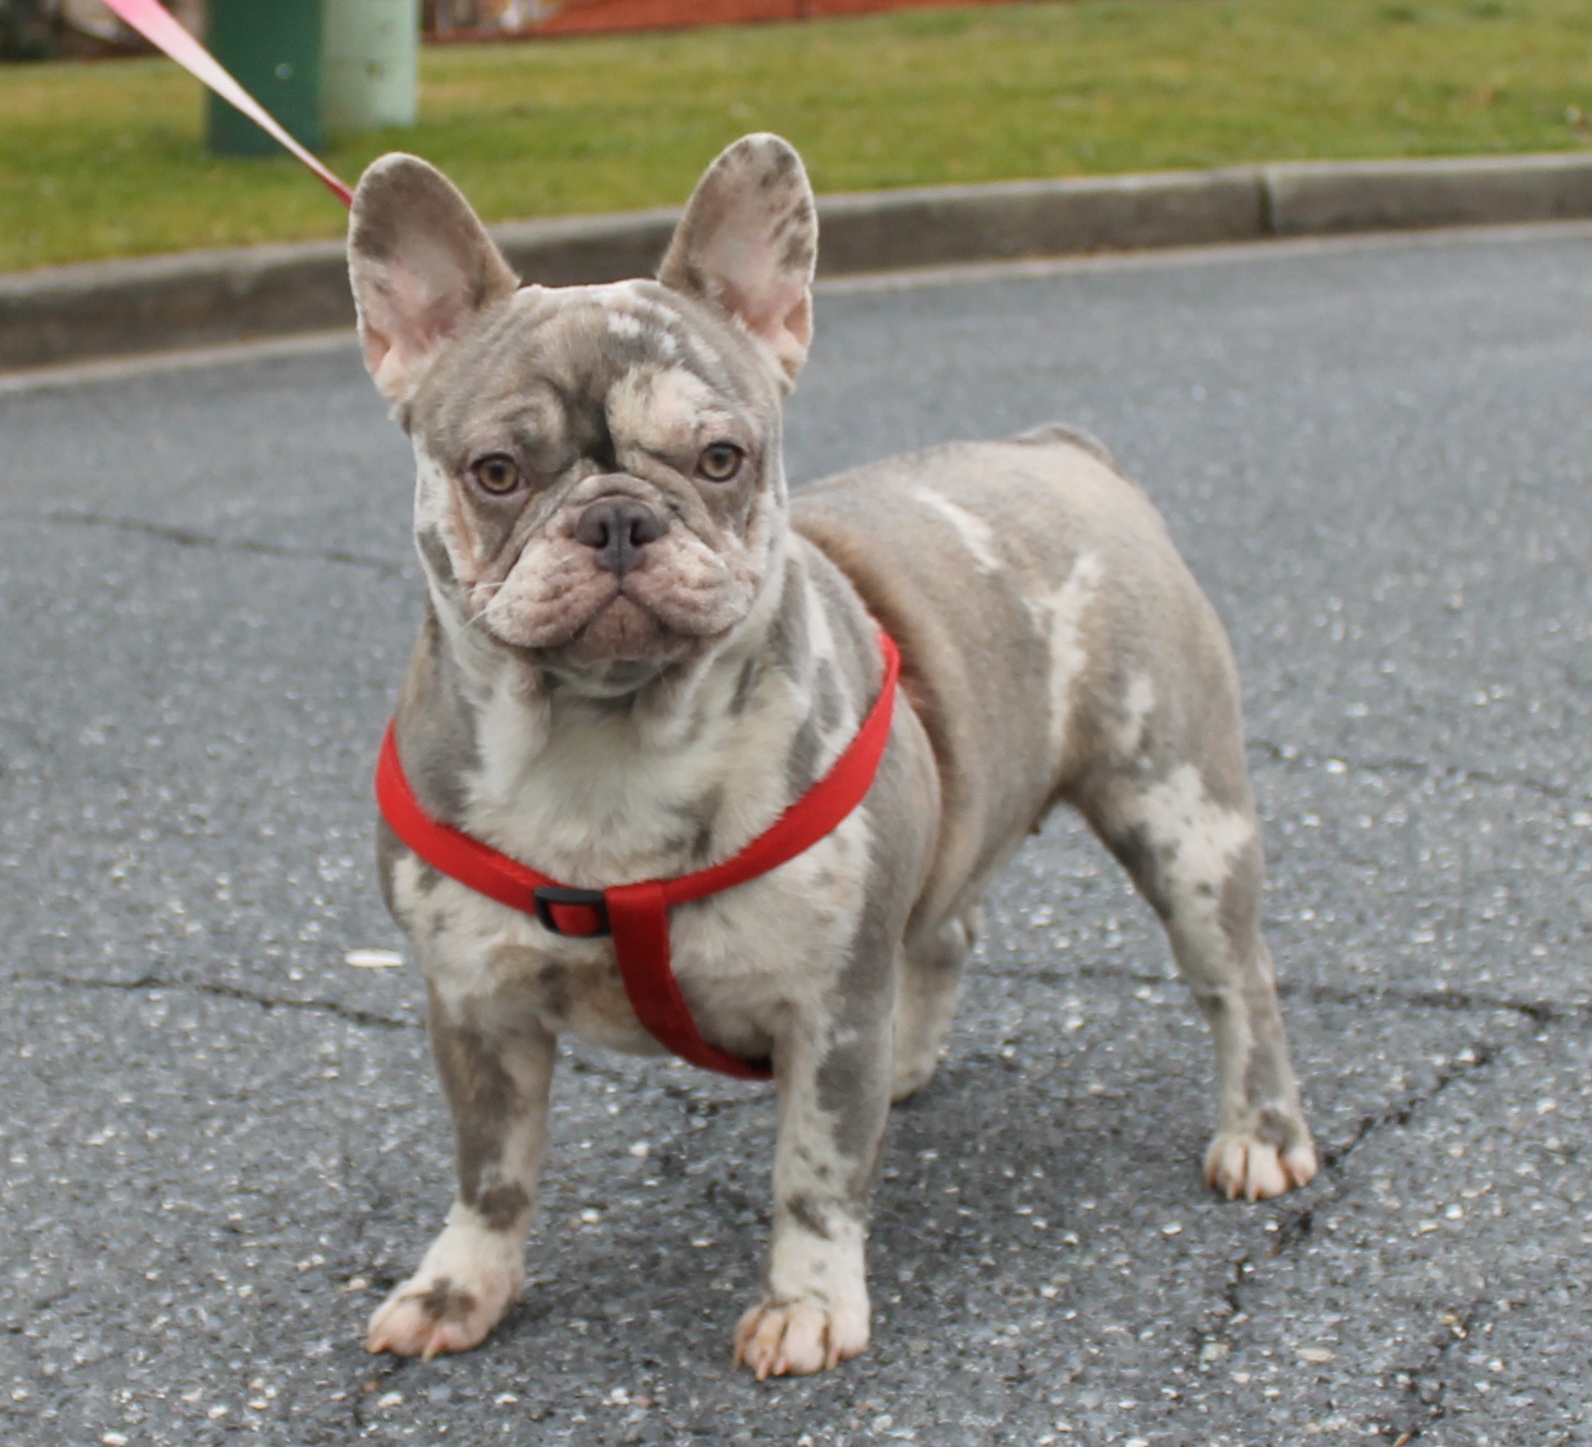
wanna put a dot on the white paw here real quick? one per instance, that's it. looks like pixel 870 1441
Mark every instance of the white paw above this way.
pixel 463 1287
pixel 797 1338
pixel 1241 1164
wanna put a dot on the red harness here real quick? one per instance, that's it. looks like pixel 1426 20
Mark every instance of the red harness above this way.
pixel 637 915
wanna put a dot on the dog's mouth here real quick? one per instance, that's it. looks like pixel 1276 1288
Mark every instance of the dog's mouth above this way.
pixel 619 631
pixel 623 628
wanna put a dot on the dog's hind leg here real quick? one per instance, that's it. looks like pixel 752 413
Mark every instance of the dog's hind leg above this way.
pixel 931 983
pixel 497 1081
pixel 1175 809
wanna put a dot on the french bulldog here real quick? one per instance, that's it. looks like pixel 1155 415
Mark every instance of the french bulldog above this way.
pixel 639 649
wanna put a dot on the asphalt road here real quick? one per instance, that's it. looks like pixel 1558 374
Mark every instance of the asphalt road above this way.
pixel 223 1143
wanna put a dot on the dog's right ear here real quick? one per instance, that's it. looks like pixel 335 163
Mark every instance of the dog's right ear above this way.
pixel 421 265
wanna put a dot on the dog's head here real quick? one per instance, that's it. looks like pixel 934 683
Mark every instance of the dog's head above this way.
pixel 600 483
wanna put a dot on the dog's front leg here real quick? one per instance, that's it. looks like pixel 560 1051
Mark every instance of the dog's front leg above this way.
pixel 496 1077
pixel 834 1096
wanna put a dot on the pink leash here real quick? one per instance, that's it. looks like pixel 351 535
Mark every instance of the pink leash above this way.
pixel 160 29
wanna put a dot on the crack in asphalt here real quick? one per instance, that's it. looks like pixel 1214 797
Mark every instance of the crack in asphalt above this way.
pixel 1291 757
pixel 1297 1222
pixel 1542 1012
pixel 1436 1407
pixel 191 538
pixel 1473 1058
pixel 352 1013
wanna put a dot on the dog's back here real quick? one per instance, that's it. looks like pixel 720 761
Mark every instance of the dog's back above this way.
pixel 1006 570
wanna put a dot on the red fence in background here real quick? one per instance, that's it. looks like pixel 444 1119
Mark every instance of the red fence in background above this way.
pixel 458 20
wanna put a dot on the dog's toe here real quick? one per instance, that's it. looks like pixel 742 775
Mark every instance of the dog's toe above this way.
pixel 798 1338
pixel 1241 1164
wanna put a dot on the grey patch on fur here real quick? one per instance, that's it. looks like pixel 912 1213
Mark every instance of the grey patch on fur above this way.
pixel 431 547
pixel 389 850
pixel 789 638
pixel 745 686
pixel 481 1096
pixel 826 694
pixel 848 1083
pixel 503 1207
pixel 446 1302
pixel 1278 1128
pixel 805 1213
pixel 801 763
pixel 1240 896
pixel 553 982
pixel 854 1075
pixel 1137 853
pixel 1266 1073
pixel 820 1168
pixel 856 648
pixel 436 726
pixel 945 952
pixel 1065 432
pixel 799 251
pixel 706 815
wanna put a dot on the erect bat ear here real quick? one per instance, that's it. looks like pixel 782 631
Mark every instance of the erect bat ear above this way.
pixel 748 243
pixel 421 265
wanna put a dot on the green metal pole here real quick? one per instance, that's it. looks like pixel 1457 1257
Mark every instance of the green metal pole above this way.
pixel 372 63
pixel 274 48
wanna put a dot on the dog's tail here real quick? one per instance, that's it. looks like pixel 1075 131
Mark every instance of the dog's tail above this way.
pixel 1066 432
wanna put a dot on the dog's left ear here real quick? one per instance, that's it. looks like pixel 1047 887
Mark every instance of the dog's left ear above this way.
pixel 748 243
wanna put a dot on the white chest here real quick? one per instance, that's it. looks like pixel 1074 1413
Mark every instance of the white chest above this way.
pixel 748 960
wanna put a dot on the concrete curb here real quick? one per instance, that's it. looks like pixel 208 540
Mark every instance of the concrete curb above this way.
pixel 205 298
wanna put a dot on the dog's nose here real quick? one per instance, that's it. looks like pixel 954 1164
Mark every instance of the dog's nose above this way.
pixel 618 528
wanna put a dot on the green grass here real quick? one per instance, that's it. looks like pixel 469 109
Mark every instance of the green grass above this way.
pixel 106 160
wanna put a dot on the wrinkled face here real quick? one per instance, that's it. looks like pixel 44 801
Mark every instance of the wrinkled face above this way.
pixel 599 475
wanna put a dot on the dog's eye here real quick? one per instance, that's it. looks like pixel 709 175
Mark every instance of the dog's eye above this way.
pixel 496 474
pixel 720 462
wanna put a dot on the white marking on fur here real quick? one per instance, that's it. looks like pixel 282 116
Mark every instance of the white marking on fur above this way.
pixel 657 406
pixel 976 534
pixel 1060 619
pixel 476 658
pixel 801 1263
pixel 625 325
pixel 1127 729
pixel 1207 837
pixel 627 297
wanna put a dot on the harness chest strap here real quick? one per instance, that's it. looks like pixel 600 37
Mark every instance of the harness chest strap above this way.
pixel 637 915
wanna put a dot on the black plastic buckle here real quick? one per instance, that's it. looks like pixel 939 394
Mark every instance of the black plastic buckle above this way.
pixel 548 895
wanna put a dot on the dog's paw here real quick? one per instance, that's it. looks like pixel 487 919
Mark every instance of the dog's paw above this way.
pixel 912 1075
pixel 798 1338
pixel 430 1315
pixel 465 1284
pixel 1241 1163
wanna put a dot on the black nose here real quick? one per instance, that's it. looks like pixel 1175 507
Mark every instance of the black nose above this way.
pixel 618 528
